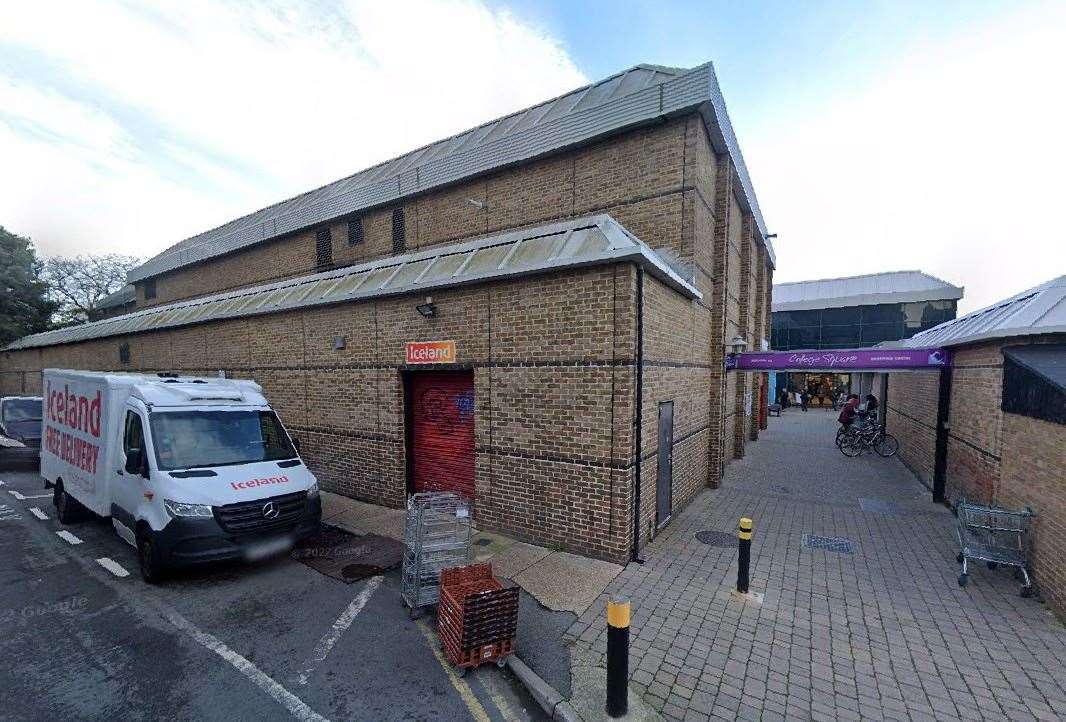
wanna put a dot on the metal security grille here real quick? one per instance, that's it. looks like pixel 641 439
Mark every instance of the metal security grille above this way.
pixel 323 248
pixel 124 354
pixel 355 231
pixel 149 289
pixel 442 428
pixel 828 543
pixel 399 231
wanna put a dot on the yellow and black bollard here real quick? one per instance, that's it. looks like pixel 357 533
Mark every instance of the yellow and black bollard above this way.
pixel 743 554
pixel 617 657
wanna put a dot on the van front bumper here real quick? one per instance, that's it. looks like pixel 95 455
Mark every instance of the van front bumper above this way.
pixel 188 541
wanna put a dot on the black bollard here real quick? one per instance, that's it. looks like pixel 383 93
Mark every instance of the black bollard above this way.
pixel 743 554
pixel 617 657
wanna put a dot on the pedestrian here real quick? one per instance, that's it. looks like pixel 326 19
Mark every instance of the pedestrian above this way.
pixel 871 407
pixel 850 411
pixel 805 398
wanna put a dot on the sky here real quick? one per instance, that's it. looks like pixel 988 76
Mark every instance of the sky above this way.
pixel 879 135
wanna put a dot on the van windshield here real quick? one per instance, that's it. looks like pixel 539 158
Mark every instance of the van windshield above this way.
pixel 188 439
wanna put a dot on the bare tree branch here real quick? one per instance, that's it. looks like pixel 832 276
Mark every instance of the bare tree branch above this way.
pixel 80 283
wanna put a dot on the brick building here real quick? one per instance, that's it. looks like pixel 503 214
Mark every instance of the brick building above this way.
pixel 531 312
pixel 992 428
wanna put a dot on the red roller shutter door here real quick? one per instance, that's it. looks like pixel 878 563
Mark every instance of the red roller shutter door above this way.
pixel 442 408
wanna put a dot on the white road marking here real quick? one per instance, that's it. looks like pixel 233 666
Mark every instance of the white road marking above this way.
pixel 8 512
pixel 36 496
pixel 68 537
pixel 2 482
pixel 322 649
pixel 38 513
pixel 112 566
pixel 282 696
pixel 15 494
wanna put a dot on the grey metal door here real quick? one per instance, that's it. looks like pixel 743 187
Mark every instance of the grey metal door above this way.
pixel 664 478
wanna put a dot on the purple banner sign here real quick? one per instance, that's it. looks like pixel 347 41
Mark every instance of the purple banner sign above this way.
pixel 840 360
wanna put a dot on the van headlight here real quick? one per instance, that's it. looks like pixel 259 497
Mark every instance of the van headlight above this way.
pixel 180 508
pixel 312 491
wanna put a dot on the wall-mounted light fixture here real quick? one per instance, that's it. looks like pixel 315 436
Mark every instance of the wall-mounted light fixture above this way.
pixel 339 342
pixel 737 345
pixel 427 309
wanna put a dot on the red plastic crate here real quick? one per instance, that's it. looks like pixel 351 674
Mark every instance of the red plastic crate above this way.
pixel 477 618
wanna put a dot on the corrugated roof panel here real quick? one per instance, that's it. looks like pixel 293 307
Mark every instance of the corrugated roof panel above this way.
pixel 324 203
pixel 1036 311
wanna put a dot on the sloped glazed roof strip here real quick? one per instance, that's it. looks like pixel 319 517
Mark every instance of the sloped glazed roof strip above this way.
pixel 602 240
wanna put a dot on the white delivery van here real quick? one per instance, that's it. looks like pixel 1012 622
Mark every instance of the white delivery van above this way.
pixel 188 469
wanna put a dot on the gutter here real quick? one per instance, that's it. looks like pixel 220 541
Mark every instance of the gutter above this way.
pixel 638 416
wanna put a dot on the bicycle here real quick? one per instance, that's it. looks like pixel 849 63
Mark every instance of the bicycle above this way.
pixel 854 440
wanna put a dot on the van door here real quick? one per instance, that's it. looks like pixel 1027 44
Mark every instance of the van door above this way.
pixel 127 487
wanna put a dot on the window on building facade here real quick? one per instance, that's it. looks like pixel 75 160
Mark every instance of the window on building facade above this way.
pixel 855 326
pixel 399 231
pixel 149 289
pixel 355 231
pixel 323 248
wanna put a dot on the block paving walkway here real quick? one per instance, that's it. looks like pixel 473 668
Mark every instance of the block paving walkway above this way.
pixel 883 632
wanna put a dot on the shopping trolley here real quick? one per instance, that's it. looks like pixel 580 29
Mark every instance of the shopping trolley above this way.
pixel 995 536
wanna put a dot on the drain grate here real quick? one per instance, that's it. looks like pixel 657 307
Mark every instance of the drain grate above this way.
pixel 829 543
pixel 716 538
pixel 878 506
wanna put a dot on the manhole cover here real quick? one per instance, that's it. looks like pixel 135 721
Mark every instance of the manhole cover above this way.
pixel 716 538
pixel 878 506
pixel 828 543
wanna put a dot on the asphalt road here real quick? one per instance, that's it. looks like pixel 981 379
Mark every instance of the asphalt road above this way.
pixel 266 641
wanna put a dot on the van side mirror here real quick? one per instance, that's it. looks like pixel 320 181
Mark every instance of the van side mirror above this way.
pixel 136 463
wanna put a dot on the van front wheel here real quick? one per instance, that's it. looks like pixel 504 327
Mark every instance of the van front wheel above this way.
pixel 152 570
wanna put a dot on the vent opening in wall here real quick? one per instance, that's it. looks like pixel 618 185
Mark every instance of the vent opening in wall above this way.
pixel 124 354
pixel 399 231
pixel 149 289
pixel 355 231
pixel 323 248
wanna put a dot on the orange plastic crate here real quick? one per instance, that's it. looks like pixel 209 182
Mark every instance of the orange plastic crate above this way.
pixel 477 618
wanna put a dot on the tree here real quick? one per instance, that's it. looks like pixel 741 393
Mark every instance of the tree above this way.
pixel 79 284
pixel 24 305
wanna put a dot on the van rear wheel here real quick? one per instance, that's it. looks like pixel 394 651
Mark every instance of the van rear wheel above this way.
pixel 152 570
pixel 68 510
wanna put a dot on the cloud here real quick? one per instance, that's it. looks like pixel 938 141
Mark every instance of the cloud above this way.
pixel 126 127
pixel 949 162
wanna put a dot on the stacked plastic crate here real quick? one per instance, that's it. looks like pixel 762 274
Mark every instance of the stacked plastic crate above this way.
pixel 477 618
pixel 436 536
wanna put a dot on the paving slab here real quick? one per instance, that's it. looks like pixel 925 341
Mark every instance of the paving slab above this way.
pixel 517 558
pixel 566 582
pixel 874 619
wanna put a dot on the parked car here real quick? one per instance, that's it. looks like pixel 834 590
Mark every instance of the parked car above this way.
pixel 20 419
pixel 189 470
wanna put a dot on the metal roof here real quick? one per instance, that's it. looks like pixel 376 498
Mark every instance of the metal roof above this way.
pixel 633 97
pixel 874 288
pixel 573 243
pixel 122 297
pixel 1039 310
